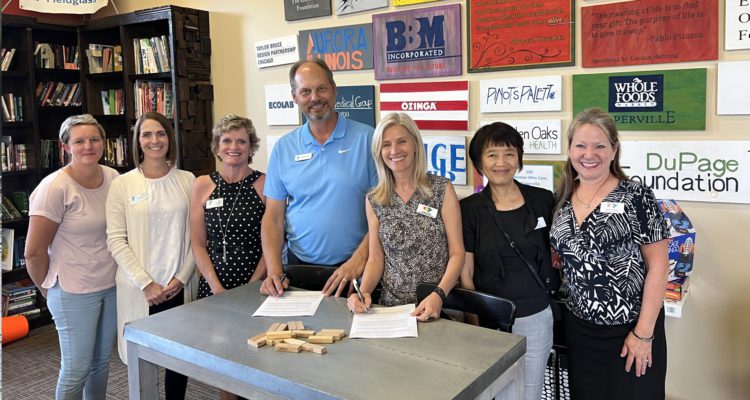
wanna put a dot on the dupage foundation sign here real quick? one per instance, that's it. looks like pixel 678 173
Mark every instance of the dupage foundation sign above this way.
pixel 716 171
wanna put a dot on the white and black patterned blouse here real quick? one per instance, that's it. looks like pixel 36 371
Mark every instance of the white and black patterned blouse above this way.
pixel 602 261
pixel 415 246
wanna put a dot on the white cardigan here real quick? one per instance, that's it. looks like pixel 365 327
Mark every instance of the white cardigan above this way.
pixel 128 241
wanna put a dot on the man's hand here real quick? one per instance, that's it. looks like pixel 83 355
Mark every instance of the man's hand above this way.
pixel 343 275
pixel 273 286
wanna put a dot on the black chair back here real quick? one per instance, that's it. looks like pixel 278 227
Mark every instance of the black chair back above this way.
pixel 308 277
pixel 493 312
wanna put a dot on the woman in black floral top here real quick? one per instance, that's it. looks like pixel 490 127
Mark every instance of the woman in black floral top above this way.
pixel 611 238
pixel 414 224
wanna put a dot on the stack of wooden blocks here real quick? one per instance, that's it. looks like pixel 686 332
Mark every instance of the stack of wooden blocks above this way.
pixel 288 337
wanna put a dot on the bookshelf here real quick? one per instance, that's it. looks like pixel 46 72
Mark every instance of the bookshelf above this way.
pixel 180 40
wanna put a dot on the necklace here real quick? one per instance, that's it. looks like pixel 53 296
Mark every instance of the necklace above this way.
pixel 588 205
pixel 223 229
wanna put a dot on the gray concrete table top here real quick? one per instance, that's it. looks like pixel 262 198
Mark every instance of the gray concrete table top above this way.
pixel 448 360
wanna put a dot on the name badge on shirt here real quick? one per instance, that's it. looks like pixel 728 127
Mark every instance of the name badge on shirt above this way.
pixel 213 203
pixel 612 208
pixel 540 223
pixel 427 211
pixel 303 157
pixel 137 198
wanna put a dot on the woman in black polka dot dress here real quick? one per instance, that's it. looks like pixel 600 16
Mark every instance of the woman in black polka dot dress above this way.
pixel 226 211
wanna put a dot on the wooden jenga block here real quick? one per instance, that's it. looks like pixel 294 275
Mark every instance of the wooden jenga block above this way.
pixel 282 327
pixel 289 348
pixel 273 327
pixel 292 325
pixel 302 334
pixel 300 326
pixel 314 348
pixel 320 339
pixel 279 335
pixel 258 340
pixel 295 341
pixel 336 333
pixel 272 343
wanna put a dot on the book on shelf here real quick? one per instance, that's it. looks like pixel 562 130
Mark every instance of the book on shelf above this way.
pixel 11 209
pixel 19 288
pixel 19 247
pixel 116 153
pixel 51 94
pixel 14 157
pixel 21 201
pixel 151 55
pixel 104 58
pixel 112 103
pixel 153 96
pixel 56 56
pixel 7 57
pixel 53 155
pixel 7 249
pixel 12 106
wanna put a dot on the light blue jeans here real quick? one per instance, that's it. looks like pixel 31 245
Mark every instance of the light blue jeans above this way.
pixel 87 328
pixel 538 331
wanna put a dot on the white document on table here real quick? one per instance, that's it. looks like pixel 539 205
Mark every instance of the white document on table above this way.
pixel 290 304
pixel 385 322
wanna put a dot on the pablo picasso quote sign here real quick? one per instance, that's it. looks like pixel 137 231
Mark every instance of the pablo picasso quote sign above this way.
pixel 647 100
pixel 424 42
pixel 512 34
pixel 345 48
pixel 650 32
pixel 542 93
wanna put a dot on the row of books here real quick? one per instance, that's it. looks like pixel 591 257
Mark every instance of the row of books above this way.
pixel 56 56
pixel 154 96
pixel 113 102
pixel 7 56
pixel 56 94
pixel 151 55
pixel 13 157
pixel 52 154
pixel 104 58
pixel 19 298
pixel 116 153
pixel 12 250
pixel 12 107
pixel 16 208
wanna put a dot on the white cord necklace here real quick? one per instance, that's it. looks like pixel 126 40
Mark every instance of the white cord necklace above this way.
pixel 223 229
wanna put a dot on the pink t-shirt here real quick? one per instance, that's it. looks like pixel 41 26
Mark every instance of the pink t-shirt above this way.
pixel 78 255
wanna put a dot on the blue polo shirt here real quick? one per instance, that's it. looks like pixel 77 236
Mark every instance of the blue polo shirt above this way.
pixel 325 186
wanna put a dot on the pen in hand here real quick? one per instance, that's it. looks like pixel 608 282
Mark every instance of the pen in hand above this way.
pixel 359 294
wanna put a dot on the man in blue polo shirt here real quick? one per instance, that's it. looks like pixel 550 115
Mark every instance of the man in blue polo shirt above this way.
pixel 317 178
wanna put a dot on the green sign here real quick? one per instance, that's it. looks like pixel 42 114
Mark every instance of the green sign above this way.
pixel 646 100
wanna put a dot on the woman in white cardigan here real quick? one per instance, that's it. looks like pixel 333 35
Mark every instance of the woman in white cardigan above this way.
pixel 148 233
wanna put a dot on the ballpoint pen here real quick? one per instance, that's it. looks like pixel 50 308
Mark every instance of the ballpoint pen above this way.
pixel 359 294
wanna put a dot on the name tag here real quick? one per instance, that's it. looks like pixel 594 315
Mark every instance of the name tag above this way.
pixel 137 198
pixel 213 203
pixel 540 223
pixel 303 157
pixel 612 208
pixel 427 211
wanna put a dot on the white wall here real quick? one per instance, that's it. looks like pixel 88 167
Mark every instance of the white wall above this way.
pixel 709 347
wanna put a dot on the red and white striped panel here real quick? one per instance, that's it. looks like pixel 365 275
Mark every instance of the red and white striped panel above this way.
pixel 432 105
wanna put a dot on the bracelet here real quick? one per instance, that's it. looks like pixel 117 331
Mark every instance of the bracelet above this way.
pixel 440 293
pixel 641 338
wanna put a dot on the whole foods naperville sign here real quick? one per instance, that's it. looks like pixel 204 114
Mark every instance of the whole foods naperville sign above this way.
pixel 711 171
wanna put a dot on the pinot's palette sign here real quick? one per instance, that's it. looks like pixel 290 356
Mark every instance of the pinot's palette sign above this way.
pixel 424 42
pixel 647 100
pixel 715 171
pixel 541 93
pixel 345 48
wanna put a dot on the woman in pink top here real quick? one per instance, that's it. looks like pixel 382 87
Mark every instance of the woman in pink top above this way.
pixel 68 260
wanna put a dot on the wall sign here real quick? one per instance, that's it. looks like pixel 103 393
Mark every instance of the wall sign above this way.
pixel 62 7
pixel 280 108
pixel 278 51
pixel 446 156
pixel 737 25
pixel 646 100
pixel 540 136
pixel 356 103
pixel 399 3
pixel 303 9
pixel 649 32
pixel 432 105
pixel 424 42
pixel 538 173
pixel 501 36
pixel 733 88
pixel 716 171
pixel 541 93
pixel 344 48
pixel 351 6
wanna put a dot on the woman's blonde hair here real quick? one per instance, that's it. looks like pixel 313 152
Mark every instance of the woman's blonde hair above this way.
pixel 384 190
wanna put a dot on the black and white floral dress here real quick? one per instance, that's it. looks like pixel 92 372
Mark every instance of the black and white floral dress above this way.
pixel 415 246
pixel 242 230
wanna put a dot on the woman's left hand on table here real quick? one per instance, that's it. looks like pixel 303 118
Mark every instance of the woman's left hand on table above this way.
pixel 428 308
